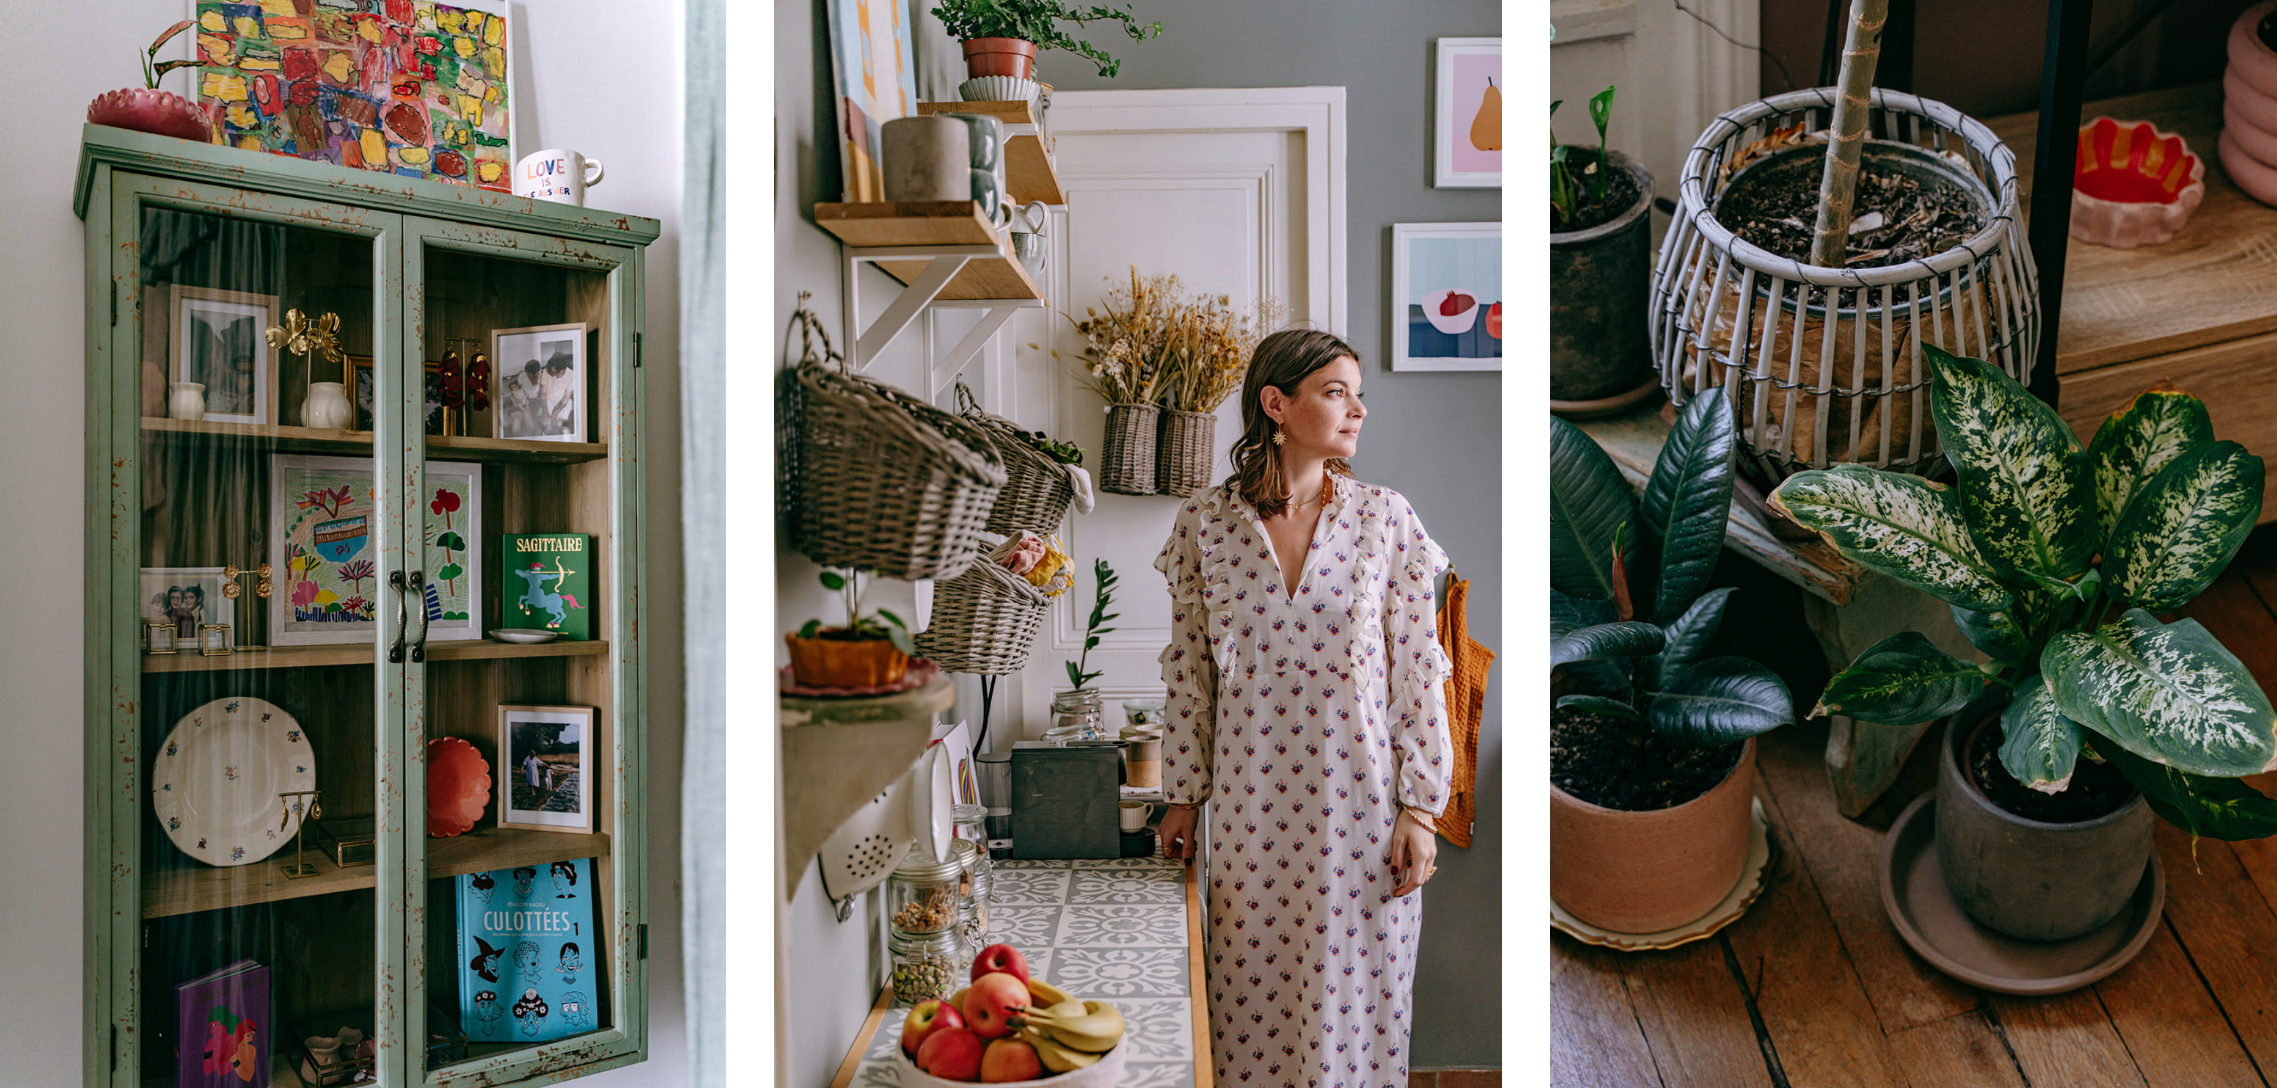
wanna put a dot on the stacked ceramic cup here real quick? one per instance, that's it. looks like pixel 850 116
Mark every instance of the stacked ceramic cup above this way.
pixel 2249 103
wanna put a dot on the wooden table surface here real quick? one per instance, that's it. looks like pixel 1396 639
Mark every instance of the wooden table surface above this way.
pixel 1813 987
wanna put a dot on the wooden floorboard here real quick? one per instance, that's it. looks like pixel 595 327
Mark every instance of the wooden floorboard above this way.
pixel 1963 1050
pixel 2171 1025
pixel 2066 1039
pixel 1695 1017
pixel 1598 1042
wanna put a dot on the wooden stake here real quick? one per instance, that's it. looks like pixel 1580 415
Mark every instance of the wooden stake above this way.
pixel 1838 185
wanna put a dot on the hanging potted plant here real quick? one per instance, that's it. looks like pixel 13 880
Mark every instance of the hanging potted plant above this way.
pixel 148 109
pixel 1122 361
pixel 1600 268
pixel 1807 263
pixel 2091 714
pixel 1001 39
pixel 868 651
pixel 1652 751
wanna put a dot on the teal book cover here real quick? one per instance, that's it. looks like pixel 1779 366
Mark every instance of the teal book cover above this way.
pixel 528 961
pixel 549 582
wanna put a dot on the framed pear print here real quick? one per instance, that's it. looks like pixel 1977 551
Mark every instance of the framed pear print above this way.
pixel 1466 129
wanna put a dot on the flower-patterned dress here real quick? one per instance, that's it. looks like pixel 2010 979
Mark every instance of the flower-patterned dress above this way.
pixel 1310 719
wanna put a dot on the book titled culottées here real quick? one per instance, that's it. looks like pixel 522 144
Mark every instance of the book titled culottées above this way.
pixel 528 956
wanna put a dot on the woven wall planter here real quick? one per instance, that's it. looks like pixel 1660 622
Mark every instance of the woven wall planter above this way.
pixel 1824 364
pixel 1184 452
pixel 1036 492
pixel 1126 457
pixel 885 482
pixel 984 621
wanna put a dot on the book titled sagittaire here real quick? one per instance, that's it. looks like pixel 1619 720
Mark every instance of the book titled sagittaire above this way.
pixel 549 582
pixel 223 1028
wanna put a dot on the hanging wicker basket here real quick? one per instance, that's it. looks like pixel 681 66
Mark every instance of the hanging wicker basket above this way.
pixel 1126 459
pixel 1037 491
pixel 1184 452
pixel 984 621
pixel 883 482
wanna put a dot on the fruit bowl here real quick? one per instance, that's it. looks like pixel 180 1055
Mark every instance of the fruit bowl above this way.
pixel 1104 1073
pixel 1466 306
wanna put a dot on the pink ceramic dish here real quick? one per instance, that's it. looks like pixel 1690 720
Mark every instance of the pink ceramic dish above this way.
pixel 143 110
pixel 2133 184
pixel 458 787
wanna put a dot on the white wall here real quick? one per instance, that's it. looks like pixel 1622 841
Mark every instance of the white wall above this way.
pixel 602 76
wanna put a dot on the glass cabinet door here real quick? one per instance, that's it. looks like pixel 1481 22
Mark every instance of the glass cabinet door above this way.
pixel 254 720
pixel 524 729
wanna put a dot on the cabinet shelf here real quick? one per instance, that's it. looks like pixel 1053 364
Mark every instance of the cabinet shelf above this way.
pixel 358 653
pixel 838 753
pixel 187 891
pixel 1029 171
pixel 359 443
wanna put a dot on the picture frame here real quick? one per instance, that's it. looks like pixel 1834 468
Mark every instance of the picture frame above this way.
pixel 218 339
pixel 1467 113
pixel 539 382
pixel 1435 267
pixel 545 762
pixel 323 522
pixel 362 384
pixel 166 595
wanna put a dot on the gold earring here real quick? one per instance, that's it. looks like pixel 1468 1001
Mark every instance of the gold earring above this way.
pixel 1280 437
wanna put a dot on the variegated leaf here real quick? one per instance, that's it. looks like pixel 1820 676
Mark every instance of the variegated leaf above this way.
pixel 2170 693
pixel 1688 639
pixel 2139 440
pixel 1999 634
pixel 2183 526
pixel 1721 701
pixel 2038 745
pixel 2026 490
pixel 1901 680
pixel 1902 526
pixel 2219 808
pixel 1626 639
pixel 1598 704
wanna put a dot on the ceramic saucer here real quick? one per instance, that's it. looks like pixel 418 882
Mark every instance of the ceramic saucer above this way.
pixel 921 671
pixel 1913 892
pixel 1723 914
pixel 524 635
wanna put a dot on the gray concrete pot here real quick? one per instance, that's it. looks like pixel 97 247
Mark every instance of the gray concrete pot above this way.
pixel 2039 881
pixel 1600 282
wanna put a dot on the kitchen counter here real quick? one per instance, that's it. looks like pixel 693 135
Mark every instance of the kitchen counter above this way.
pixel 1122 930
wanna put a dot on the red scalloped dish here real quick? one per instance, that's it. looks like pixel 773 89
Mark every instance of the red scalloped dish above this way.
pixel 458 787
pixel 2133 184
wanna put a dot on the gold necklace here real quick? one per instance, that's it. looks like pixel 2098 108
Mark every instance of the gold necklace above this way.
pixel 1325 487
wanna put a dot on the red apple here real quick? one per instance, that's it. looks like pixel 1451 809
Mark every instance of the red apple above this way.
pixel 1456 303
pixel 1000 957
pixel 992 1003
pixel 951 1054
pixel 927 1018
pixel 1494 321
pixel 1010 1060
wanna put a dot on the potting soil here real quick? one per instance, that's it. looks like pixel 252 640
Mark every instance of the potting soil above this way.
pixel 1620 764
pixel 1774 206
pixel 2097 789
pixel 1620 193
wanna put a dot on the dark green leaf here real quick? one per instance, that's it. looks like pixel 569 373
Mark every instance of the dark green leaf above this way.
pixel 1626 639
pixel 1688 639
pixel 1570 614
pixel 2140 440
pixel 2216 808
pixel 891 618
pixel 1589 505
pixel 832 580
pixel 1998 634
pixel 2038 745
pixel 1598 704
pixel 1685 508
pixel 810 628
pixel 2024 482
pixel 1601 110
pixel 451 542
pixel 1902 680
pixel 2183 527
pixel 1720 701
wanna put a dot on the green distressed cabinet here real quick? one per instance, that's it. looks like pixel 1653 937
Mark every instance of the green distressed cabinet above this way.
pixel 324 802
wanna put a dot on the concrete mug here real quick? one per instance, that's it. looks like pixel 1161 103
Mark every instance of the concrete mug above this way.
pixel 1135 814
pixel 556 174
pixel 924 159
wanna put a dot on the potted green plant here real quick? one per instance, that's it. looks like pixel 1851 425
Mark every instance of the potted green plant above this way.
pixel 867 651
pixel 1001 37
pixel 2090 714
pixel 1652 758
pixel 1600 268
pixel 1077 711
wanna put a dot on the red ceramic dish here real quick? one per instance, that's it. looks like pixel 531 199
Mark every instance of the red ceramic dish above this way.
pixel 458 787
pixel 2132 184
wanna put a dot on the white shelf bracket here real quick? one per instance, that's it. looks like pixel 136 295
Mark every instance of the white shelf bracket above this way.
pixel 946 369
pixel 943 264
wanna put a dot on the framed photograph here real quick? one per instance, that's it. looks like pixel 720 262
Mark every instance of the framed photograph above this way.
pixel 365 386
pixel 186 599
pixel 323 543
pixel 1466 118
pixel 218 342
pixel 538 383
pixel 547 766
pixel 1447 295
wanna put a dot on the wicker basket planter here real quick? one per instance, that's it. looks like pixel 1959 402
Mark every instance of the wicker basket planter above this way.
pixel 1183 452
pixel 884 482
pixel 984 621
pixel 1126 457
pixel 1036 492
pixel 1824 364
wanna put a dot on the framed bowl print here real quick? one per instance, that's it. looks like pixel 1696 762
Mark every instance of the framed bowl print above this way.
pixel 218 341
pixel 546 767
pixel 1446 302
pixel 323 543
pixel 538 383
pixel 1466 115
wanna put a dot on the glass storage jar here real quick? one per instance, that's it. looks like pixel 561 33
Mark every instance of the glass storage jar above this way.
pixel 925 895
pixel 1144 713
pixel 980 883
pixel 1076 715
pixel 972 822
pixel 930 966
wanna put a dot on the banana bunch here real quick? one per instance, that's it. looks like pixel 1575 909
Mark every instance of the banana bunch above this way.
pixel 1071 1034
pixel 1045 995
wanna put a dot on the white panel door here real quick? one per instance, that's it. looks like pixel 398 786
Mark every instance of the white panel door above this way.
pixel 1237 193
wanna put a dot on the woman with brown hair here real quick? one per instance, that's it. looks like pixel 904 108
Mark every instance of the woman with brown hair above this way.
pixel 1307 708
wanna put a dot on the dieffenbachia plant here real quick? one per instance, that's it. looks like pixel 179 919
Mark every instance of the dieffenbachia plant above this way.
pixel 1629 620
pixel 2057 559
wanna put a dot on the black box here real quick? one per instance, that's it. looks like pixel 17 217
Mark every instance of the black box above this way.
pixel 1066 802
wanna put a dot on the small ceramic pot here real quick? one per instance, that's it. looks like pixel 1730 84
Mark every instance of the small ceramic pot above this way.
pixel 1645 872
pixel 2249 108
pixel 327 407
pixel 2029 879
pixel 836 663
pixel 186 401
pixel 1013 57
pixel 925 158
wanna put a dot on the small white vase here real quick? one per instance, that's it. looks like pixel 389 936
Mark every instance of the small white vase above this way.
pixel 186 401
pixel 327 407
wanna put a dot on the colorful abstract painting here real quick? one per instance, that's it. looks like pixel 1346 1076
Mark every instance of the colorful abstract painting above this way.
pixel 325 540
pixel 406 87
pixel 876 73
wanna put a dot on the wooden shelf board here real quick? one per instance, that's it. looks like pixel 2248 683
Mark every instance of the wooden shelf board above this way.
pixel 358 653
pixel 1015 111
pixel 187 891
pixel 1028 168
pixel 359 443
pixel 837 755
pixel 936 223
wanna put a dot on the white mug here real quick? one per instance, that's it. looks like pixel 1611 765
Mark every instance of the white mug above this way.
pixel 1135 814
pixel 556 174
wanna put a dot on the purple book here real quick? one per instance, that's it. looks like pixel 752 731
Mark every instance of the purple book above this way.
pixel 224 1028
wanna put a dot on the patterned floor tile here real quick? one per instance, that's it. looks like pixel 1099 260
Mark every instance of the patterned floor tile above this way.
pixel 1158 1075
pixel 1030 886
pixel 1117 973
pixel 1123 926
pixel 1018 863
pixel 1030 929
pixel 1157 1029
pixel 1128 886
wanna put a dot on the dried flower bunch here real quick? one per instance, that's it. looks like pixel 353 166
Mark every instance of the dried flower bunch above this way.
pixel 1206 348
pixel 1156 343
pixel 1119 345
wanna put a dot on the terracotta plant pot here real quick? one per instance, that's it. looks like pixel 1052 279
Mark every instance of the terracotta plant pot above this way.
pixel 1644 872
pixel 839 663
pixel 163 113
pixel 1015 57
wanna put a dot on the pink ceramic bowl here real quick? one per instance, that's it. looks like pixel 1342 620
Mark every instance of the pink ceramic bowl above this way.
pixel 2133 184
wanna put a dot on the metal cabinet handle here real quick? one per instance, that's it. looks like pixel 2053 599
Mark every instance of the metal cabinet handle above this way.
pixel 395 652
pixel 419 590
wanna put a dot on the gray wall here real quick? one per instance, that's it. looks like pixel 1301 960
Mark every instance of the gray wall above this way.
pixel 1433 437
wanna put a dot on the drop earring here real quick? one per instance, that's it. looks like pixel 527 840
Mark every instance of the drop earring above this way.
pixel 1280 437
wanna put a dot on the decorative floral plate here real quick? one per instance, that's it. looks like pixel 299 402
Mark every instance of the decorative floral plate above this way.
pixel 217 777
pixel 920 672
pixel 458 787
